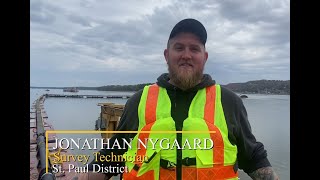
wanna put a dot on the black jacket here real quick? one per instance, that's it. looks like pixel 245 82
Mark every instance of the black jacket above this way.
pixel 251 154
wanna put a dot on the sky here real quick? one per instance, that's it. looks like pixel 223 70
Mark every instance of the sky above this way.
pixel 121 42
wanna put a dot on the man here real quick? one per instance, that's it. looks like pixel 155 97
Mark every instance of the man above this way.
pixel 188 101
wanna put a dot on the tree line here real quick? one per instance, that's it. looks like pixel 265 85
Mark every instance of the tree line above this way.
pixel 250 87
pixel 261 87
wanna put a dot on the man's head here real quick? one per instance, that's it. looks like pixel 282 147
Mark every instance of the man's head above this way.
pixel 186 54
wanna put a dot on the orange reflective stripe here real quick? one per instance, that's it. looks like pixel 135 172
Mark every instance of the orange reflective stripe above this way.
pixel 218 149
pixel 193 173
pixel 147 176
pixel 151 104
pixel 217 172
pixel 142 151
pixel 209 112
pixel 189 173
pixel 150 118
pixel 150 115
pixel 210 104
pixel 143 136
pixel 167 174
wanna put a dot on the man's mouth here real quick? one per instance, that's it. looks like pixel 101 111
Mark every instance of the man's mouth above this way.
pixel 186 65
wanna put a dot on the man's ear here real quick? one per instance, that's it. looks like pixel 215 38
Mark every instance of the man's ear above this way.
pixel 166 55
pixel 206 57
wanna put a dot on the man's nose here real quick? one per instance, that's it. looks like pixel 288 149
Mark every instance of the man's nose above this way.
pixel 186 54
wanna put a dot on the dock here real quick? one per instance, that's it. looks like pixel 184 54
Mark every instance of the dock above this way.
pixel 42 158
pixel 86 96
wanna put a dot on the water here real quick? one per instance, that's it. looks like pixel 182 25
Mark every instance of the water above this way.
pixel 269 116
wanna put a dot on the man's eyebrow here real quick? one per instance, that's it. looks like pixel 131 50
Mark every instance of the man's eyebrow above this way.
pixel 178 44
pixel 181 44
pixel 195 45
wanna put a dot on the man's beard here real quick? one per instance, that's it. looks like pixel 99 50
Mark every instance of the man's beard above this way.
pixel 185 78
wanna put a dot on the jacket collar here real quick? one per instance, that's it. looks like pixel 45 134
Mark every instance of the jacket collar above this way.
pixel 163 81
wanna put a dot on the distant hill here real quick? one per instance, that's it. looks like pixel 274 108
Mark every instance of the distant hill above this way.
pixel 250 87
pixel 135 87
pixel 261 87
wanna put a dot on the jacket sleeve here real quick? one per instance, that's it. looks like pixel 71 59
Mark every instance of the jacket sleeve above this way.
pixel 128 122
pixel 251 153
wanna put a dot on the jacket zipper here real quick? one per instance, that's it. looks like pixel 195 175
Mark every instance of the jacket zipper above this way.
pixel 179 139
pixel 175 97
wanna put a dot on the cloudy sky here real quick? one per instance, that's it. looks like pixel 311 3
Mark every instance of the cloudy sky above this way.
pixel 104 42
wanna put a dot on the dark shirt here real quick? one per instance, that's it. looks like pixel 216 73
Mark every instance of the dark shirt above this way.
pixel 251 153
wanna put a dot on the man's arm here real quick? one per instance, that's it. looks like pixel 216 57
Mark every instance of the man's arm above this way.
pixel 265 173
pixel 251 153
pixel 252 156
pixel 255 156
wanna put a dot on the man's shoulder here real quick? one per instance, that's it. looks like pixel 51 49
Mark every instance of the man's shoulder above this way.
pixel 136 96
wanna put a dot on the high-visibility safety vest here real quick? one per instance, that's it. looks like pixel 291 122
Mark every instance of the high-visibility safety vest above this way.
pixel 205 121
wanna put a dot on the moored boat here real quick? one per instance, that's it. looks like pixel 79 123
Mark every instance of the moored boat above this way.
pixel 243 96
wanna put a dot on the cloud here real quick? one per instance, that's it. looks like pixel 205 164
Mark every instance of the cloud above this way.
pixel 246 40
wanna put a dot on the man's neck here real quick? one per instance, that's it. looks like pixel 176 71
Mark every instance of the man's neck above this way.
pixel 175 85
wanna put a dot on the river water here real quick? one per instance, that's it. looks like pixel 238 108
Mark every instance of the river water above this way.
pixel 269 116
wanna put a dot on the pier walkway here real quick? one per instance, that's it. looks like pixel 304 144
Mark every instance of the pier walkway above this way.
pixel 87 96
pixel 42 157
